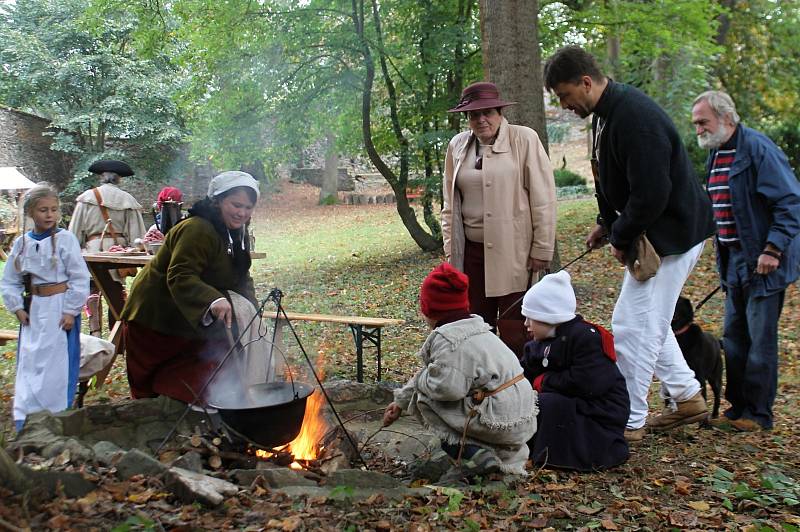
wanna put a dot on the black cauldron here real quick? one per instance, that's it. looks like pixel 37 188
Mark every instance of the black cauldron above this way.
pixel 270 414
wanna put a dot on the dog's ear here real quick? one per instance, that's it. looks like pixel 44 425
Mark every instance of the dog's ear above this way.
pixel 686 308
pixel 684 313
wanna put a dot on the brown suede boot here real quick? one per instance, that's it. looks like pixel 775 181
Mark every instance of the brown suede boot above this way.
pixel 635 435
pixel 693 410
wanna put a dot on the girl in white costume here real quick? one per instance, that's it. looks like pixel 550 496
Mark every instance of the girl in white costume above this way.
pixel 48 352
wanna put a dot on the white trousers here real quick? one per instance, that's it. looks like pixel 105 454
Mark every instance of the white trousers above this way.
pixel 643 338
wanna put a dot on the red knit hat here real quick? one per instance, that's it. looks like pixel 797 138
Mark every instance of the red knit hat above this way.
pixel 444 290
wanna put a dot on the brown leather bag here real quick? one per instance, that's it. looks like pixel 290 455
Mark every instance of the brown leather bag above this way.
pixel 645 261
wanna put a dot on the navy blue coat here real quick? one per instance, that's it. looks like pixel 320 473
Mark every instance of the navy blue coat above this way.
pixel 765 200
pixel 583 400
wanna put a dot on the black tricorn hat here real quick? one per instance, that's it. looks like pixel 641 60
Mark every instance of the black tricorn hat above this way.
pixel 105 165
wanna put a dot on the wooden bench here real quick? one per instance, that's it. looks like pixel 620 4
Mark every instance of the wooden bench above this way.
pixel 363 328
pixel 8 336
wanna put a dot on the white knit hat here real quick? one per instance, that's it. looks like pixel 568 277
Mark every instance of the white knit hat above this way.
pixel 551 300
pixel 231 179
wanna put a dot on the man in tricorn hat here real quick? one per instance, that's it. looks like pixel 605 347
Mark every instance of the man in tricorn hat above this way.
pixel 104 216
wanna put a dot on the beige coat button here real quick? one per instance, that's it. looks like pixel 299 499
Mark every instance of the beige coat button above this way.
pixel 489 245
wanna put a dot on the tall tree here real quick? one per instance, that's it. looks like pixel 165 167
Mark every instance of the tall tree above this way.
pixel 90 82
pixel 512 59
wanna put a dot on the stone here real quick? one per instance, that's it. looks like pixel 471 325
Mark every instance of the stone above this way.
pixel 350 395
pixel 280 477
pixel 42 420
pixel 73 422
pixel 123 436
pixel 139 409
pixel 136 462
pixel 107 453
pixel 77 451
pixel 357 478
pixel 190 461
pixel 193 487
pixel 73 484
pixel 33 439
pixel 100 414
pixel 151 433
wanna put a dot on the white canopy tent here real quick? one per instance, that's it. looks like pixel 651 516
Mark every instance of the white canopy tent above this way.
pixel 13 183
pixel 12 179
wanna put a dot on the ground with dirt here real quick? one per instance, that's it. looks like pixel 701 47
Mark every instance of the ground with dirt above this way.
pixel 359 260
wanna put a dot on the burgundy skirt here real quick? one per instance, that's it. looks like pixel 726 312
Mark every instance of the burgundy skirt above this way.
pixel 177 367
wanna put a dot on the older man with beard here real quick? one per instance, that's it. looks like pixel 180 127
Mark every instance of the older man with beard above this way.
pixel 756 201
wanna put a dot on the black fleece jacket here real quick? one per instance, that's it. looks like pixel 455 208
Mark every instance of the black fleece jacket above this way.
pixel 646 182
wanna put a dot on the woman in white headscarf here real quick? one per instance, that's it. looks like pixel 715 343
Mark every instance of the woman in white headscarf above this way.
pixel 184 305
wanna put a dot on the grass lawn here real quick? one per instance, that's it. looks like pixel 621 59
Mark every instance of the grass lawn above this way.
pixel 360 260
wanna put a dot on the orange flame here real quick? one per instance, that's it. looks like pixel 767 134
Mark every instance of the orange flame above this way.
pixel 306 445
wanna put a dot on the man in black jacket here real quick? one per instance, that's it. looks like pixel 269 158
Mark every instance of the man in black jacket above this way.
pixel 645 185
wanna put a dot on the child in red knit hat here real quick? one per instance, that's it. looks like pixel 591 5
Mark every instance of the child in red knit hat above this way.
pixel 471 391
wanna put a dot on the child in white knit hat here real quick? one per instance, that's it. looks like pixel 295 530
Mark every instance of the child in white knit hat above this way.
pixel 583 400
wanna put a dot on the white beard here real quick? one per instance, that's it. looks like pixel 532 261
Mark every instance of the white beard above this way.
pixel 712 141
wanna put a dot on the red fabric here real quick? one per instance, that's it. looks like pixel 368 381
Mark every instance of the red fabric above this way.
pixel 164 365
pixel 443 291
pixel 538 382
pixel 169 194
pixel 608 341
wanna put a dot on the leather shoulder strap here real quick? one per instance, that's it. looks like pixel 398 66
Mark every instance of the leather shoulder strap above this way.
pixel 106 217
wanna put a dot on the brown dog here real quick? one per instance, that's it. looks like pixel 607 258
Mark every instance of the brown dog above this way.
pixel 701 350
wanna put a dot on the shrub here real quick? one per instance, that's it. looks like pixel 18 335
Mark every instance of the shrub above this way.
pixel 557 132
pixel 568 178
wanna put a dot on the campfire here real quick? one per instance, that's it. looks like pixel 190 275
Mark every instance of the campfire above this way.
pixel 307 447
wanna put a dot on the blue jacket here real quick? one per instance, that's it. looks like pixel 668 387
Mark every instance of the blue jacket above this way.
pixel 765 199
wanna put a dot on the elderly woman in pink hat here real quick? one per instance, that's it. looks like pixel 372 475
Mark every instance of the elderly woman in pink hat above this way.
pixel 499 214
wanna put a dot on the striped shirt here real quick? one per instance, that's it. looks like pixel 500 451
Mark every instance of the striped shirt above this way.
pixel 720 194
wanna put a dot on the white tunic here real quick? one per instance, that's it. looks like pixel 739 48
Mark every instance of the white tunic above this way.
pixel 42 357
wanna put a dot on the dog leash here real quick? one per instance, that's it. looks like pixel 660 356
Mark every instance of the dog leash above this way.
pixel 547 272
pixel 705 299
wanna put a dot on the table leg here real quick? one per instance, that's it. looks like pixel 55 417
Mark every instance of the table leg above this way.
pixel 111 290
pixel 358 337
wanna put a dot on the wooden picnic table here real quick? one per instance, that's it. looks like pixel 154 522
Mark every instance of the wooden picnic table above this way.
pixel 362 327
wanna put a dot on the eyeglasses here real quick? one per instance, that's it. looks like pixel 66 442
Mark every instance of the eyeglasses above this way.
pixel 475 115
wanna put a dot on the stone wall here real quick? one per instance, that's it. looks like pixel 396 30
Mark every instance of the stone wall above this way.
pixel 313 176
pixel 24 145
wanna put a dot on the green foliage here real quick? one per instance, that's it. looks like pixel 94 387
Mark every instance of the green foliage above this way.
pixel 83 74
pixel 761 65
pixel 567 178
pixel 135 522
pixel 557 132
pixel 665 48
pixel 776 488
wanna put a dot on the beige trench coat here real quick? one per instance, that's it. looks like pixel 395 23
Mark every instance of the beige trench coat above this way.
pixel 519 206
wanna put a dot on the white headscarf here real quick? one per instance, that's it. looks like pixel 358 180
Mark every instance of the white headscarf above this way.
pixel 231 179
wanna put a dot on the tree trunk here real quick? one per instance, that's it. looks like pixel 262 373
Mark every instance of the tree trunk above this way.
pixel 512 59
pixel 330 176
pixel 398 182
